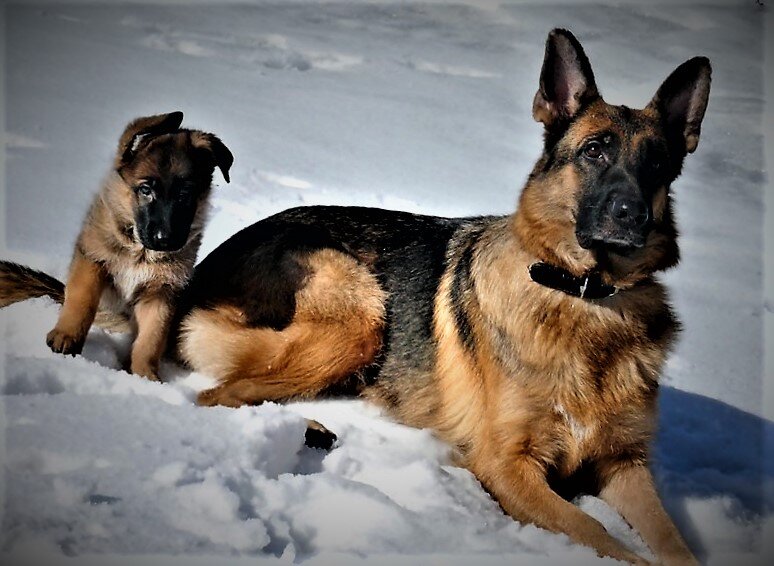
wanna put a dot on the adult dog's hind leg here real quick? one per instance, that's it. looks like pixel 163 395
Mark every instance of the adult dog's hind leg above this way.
pixel 335 331
pixel 295 363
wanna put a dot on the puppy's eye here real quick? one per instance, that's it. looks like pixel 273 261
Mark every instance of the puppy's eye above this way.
pixel 186 191
pixel 145 190
pixel 593 150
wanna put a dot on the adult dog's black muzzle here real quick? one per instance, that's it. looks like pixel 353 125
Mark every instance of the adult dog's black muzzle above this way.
pixel 620 221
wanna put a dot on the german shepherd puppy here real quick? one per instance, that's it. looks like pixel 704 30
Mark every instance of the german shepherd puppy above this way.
pixel 532 342
pixel 138 244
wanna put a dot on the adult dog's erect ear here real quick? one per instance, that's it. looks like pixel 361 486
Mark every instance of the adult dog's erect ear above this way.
pixel 682 100
pixel 566 81
pixel 141 128
pixel 220 153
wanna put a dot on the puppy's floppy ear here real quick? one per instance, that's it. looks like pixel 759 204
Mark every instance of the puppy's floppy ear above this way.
pixel 220 153
pixel 566 81
pixel 145 126
pixel 682 100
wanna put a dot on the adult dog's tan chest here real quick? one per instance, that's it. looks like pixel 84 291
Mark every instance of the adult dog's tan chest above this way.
pixel 574 434
pixel 577 381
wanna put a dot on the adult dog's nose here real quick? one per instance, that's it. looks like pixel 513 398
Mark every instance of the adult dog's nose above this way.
pixel 628 211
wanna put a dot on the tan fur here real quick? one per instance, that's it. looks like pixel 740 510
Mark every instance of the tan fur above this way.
pixel 82 293
pixel 553 381
pixel 515 414
pixel 461 385
pixel 535 388
pixel 660 202
pixel 153 314
pixel 549 385
pixel 114 279
pixel 128 272
pixel 547 216
pixel 543 408
pixel 336 331
pixel 547 206
pixel 632 493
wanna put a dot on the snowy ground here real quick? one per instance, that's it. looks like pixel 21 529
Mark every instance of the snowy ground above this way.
pixel 414 107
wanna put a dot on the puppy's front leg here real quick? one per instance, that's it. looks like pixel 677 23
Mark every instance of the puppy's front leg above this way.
pixel 152 314
pixel 522 490
pixel 84 288
pixel 629 489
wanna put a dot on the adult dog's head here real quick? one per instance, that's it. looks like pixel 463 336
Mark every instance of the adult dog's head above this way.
pixel 599 196
pixel 168 172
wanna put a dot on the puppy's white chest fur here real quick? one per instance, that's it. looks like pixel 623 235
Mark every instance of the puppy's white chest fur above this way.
pixel 128 281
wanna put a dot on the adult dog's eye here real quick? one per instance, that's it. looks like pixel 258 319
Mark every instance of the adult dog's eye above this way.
pixel 593 150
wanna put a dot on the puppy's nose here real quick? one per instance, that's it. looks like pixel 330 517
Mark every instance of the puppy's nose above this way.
pixel 161 238
pixel 628 212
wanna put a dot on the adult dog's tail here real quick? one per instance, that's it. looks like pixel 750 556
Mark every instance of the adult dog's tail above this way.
pixel 19 283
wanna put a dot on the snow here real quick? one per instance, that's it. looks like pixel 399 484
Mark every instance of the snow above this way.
pixel 420 107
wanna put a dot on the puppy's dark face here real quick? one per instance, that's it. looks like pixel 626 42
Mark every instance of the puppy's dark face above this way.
pixel 169 179
pixel 168 171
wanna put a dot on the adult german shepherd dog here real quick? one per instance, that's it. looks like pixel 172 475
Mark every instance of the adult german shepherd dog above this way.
pixel 532 342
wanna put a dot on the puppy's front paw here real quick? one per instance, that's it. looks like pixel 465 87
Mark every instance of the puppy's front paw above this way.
pixel 219 395
pixel 63 342
pixel 146 370
pixel 680 559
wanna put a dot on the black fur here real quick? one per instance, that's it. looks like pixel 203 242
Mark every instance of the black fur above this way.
pixel 461 292
pixel 320 439
pixel 257 270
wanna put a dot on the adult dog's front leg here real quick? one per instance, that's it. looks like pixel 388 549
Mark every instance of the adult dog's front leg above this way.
pixel 523 492
pixel 629 489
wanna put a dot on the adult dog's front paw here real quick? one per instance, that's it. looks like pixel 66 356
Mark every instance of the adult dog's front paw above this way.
pixel 63 342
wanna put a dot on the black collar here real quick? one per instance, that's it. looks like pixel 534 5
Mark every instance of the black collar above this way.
pixel 588 286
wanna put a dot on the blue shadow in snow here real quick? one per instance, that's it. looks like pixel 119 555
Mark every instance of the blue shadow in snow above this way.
pixel 706 448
